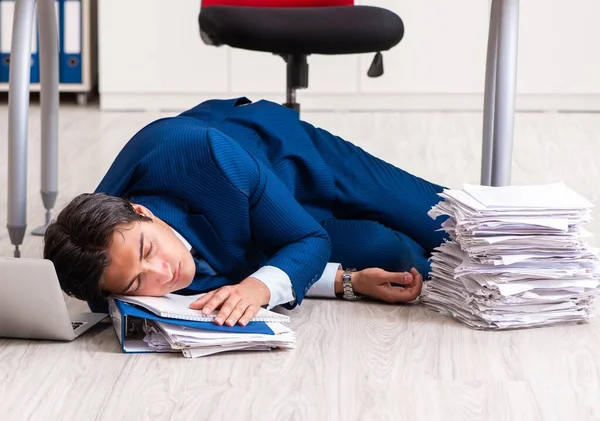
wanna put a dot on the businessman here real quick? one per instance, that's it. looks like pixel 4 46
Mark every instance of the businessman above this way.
pixel 247 203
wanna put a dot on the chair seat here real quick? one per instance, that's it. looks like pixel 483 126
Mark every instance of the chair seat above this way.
pixel 304 30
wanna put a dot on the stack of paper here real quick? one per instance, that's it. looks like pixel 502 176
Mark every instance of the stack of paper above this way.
pixel 518 257
pixel 199 343
pixel 170 325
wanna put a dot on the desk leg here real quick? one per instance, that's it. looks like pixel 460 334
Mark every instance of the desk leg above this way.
pixel 506 85
pixel 18 105
pixel 490 95
pixel 49 107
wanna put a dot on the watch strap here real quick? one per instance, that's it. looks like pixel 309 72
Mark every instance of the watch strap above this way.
pixel 348 289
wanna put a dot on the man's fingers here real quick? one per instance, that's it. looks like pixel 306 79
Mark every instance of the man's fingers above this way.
pixel 374 281
pixel 400 278
pixel 415 273
pixel 378 276
pixel 227 308
pixel 201 302
pixel 399 295
pixel 417 285
pixel 237 312
pixel 216 300
pixel 409 293
pixel 251 311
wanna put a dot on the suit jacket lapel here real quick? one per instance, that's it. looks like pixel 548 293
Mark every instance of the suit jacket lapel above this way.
pixel 203 238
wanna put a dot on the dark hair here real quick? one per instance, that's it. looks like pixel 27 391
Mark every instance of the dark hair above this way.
pixel 77 242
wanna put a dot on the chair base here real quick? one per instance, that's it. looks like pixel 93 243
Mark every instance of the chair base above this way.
pixel 297 75
pixel 292 105
pixel 297 78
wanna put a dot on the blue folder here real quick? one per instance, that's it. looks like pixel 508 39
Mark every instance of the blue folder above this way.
pixel 7 9
pixel 70 41
pixel 34 75
pixel 124 315
pixel 6 18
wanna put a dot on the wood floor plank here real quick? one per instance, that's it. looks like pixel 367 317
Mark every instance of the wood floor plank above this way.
pixel 354 361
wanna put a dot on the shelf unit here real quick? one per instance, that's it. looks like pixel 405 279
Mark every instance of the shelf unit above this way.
pixel 89 56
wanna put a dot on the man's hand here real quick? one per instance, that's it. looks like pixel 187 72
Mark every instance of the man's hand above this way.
pixel 391 287
pixel 237 303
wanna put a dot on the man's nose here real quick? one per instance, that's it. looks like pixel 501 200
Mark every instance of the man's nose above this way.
pixel 160 271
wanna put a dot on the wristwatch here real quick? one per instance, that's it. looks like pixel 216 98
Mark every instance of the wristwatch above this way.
pixel 347 285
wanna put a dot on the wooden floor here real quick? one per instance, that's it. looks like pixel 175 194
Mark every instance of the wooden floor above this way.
pixel 354 361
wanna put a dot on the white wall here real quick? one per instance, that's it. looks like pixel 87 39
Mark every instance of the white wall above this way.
pixel 151 57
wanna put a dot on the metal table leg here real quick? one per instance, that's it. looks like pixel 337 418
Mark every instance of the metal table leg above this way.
pixel 49 99
pixel 18 104
pixel 489 96
pixel 500 93
pixel 506 87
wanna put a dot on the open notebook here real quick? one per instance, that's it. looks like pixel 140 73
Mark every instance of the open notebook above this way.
pixel 175 306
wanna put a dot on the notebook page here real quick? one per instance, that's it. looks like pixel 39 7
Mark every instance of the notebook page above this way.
pixel 176 306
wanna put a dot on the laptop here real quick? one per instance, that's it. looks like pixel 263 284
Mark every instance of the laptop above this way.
pixel 32 304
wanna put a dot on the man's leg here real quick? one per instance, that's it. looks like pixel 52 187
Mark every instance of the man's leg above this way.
pixel 368 244
pixel 372 189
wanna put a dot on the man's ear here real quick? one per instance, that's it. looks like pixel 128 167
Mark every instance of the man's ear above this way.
pixel 142 210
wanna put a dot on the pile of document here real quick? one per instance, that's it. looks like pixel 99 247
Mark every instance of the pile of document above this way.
pixel 517 256
pixel 168 324
pixel 193 342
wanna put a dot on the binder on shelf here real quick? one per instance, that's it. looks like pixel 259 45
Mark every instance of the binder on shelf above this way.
pixel 7 12
pixel 34 76
pixel 70 36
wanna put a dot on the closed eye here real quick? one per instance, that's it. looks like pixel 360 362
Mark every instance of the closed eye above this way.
pixel 147 256
pixel 149 250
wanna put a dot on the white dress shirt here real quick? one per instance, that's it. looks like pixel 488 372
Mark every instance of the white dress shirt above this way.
pixel 280 285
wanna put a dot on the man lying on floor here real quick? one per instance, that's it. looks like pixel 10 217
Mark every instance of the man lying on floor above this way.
pixel 250 204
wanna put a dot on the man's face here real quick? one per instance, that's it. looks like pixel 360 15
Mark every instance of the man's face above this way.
pixel 148 259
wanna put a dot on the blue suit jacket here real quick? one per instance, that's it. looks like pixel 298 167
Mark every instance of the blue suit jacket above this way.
pixel 242 182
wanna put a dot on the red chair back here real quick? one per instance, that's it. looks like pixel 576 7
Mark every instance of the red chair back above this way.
pixel 278 3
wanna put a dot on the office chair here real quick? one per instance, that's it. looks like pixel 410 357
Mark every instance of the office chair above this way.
pixel 295 29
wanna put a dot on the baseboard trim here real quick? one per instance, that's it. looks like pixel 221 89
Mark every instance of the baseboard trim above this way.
pixel 354 102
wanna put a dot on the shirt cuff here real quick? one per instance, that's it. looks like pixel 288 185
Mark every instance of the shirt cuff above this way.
pixel 325 286
pixel 279 285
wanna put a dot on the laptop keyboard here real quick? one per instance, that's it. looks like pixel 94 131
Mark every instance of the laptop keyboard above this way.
pixel 75 325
